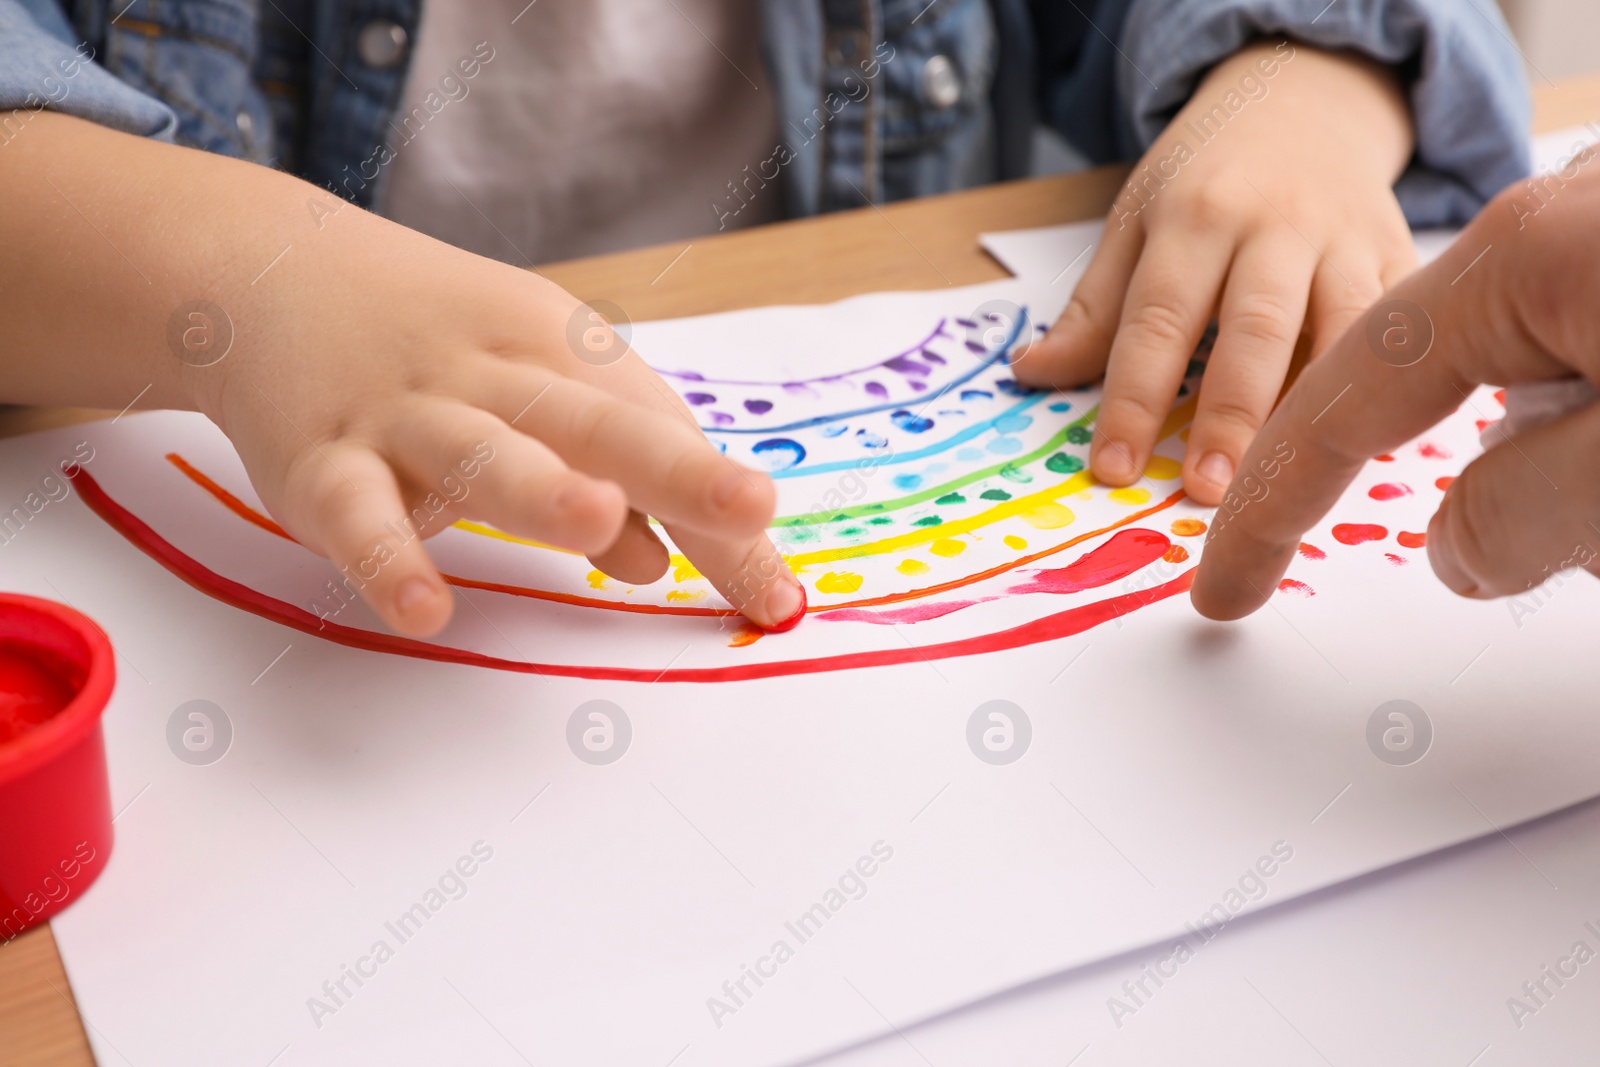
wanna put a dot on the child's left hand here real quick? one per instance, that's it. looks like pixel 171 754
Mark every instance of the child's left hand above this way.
pixel 1278 216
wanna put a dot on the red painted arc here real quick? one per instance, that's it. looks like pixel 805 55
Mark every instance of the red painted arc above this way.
pixel 1048 628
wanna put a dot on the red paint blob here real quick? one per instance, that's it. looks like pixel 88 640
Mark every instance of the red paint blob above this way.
pixel 1430 450
pixel 1398 561
pixel 1500 395
pixel 1385 458
pixel 1126 552
pixel 794 618
pixel 1312 551
pixel 1411 540
pixel 32 690
pixel 1481 424
pixel 1289 585
pixel 1444 483
pixel 1355 533
pixel 1389 491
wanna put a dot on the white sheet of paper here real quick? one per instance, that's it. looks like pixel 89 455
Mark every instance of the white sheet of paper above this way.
pixel 1425 962
pixel 1167 754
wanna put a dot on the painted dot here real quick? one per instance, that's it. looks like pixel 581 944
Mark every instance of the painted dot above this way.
pixel 1312 551
pixel 851 531
pixel 1411 540
pixel 928 520
pixel 911 566
pixel 879 520
pixel 1079 435
pixel 907 481
pixel 834 429
pixel 947 546
pixel 1049 516
pixel 1162 469
pixel 1385 458
pixel 1004 446
pixel 976 394
pixel 995 494
pixel 1289 585
pixel 1389 491
pixel 1175 554
pixel 800 535
pixel 777 453
pixel 1011 472
pixel 1188 527
pixel 720 418
pixel 597 580
pixel 951 498
pixel 1131 495
pixel 910 422
pixel 1398 561
pixel 839 582
pixel 969 455
pixel 1061 463
pixel 1432 451
pixel 698 399
pixel 685 596
pixel 871 440
pixel 683 570
pixel 799 389
pixel 1355 533
pixel 1013 541
pixel 758 407
pixel 1060 405
pixel 1013 423
pixel 1443 483
pixel 874 389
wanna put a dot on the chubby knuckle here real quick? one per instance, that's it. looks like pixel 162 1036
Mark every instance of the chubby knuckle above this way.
pixel 1131 409
pixel 1209 206
pixel 1264 318
pixel 1232 419
pixel 1163 321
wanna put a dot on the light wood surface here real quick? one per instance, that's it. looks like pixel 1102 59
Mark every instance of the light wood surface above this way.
pixel 923 244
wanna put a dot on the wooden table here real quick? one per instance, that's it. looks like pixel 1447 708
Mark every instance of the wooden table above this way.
pixel 923 244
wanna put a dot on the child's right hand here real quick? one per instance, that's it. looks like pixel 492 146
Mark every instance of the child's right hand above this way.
pixel 368 363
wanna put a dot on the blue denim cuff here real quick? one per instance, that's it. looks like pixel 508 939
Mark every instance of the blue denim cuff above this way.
pixel 42 67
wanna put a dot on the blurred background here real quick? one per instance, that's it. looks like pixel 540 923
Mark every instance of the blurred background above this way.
pixel 1558 38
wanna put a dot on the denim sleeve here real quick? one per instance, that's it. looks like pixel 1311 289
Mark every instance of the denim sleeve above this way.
pixel 42 66
pixel 1469 101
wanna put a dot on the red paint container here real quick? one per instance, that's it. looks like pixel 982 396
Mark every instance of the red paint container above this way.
pixel 56 674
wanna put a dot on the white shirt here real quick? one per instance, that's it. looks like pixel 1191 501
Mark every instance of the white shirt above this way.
pixel 585 126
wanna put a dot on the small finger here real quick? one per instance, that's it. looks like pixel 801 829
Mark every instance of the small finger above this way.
pixel 343 502
pixel 1342 289
pixel 1074 350
pixel 750 574
pixel 483 468
pixel 637 556
pixel 660 458
pixel 1263 306
pixel 1169 303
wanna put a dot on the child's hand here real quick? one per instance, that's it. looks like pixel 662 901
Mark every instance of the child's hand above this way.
pixel 1266 203
pixel 370 369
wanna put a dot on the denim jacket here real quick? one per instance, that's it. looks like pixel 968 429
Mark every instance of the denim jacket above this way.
pixel 882 99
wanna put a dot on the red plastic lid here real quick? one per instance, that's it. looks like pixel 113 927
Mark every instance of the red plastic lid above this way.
pixel 56 673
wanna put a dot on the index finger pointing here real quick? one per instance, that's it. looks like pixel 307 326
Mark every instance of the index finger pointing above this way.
pixel 1407 363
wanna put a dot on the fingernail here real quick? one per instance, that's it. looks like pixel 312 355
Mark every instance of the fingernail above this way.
pixel 727 488
pixel 1215 468
pixel 412 594
pixel 1113 461
pixel 1446 562
pixel 787 603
